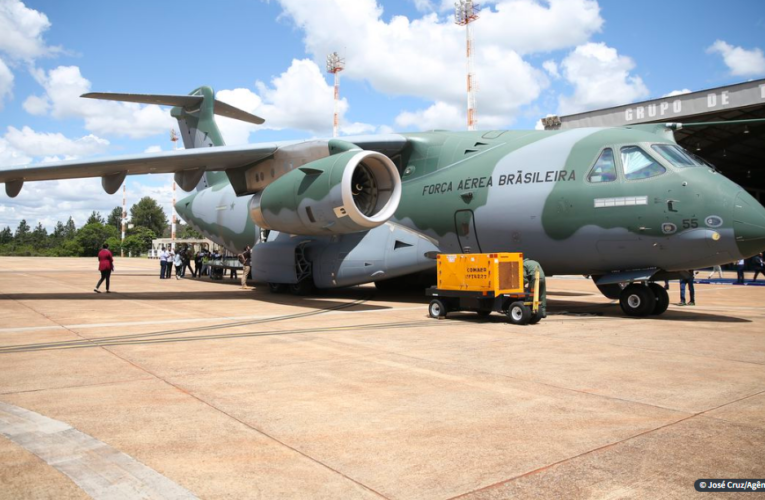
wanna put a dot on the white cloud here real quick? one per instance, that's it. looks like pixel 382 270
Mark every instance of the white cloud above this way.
pixel 6 82
pixel 677 92
pixel 33 143
pixel 740 61
pixel 63 87
pixel 440 115
pixel 21 31
pixel 153 149
pixel 299 99
pixel 552 68
pixel 11 157
pixel 424 57
pixel 601 78
pixel 36 105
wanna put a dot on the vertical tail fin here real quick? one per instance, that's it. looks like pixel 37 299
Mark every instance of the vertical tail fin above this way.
pixel 199 130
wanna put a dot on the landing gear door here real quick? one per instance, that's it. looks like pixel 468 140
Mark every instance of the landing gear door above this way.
pixel 465 226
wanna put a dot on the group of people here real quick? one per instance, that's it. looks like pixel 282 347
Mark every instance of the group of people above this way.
pixel 180 259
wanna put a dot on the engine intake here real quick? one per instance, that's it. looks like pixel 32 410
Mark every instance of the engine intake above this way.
pixel 344 193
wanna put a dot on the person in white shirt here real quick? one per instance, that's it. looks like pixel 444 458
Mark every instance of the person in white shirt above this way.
pixel 162 263
pixel 740 271
pixel 178 261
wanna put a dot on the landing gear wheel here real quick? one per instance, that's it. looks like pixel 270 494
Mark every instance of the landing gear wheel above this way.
pixel 637 300
pixel 518 313
pixel 662 299
pixel 278 287
pixel 302 288
pixel 483 314
pixel 437 309
pixel 536 317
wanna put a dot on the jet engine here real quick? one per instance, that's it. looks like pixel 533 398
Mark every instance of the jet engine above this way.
pixel 344 193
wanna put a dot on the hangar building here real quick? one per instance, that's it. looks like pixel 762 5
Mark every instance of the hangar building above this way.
pixel 738 151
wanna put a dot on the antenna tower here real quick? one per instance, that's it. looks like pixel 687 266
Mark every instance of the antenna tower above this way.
pixel 335 65
pixel 174 138
pixel 465 13
pixel 124 218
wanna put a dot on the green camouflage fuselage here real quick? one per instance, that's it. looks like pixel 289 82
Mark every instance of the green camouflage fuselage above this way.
pixel 528 191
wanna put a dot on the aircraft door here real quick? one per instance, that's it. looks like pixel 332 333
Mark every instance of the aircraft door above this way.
pixel 465 226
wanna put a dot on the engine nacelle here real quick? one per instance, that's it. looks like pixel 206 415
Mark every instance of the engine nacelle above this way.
pixel 345 193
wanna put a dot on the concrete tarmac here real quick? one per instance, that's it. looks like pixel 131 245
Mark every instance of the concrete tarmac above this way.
pixel 183 388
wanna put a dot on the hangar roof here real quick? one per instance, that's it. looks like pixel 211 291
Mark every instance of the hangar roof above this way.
pixel 737 150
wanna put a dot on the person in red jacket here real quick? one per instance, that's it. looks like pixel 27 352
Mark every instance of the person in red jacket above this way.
pixel 106 266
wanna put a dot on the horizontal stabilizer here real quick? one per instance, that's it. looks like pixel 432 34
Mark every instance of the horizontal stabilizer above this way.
pixel 182 101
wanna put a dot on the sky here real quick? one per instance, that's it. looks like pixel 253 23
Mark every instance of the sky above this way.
pixel 405 71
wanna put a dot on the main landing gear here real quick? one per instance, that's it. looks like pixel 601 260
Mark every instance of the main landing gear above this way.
pixel 644 300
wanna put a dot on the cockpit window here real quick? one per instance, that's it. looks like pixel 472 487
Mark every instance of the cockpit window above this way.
pixel 677 156
pixel 638 164
pixel 604 169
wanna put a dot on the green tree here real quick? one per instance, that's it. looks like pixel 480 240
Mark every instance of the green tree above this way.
pixel 70 229
pixel 58 231
pixel 147 213
pixel 92 236
pixel 115 218
pixel 187 231
pixel 39 236
pixel 21 237
pixel 6 236
pixel 142 238
pixel 114 244
pixel 95 217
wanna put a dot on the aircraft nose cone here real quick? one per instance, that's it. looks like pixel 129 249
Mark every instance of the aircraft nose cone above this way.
pixel 748 225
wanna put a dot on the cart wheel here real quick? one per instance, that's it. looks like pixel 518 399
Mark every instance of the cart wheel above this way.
pixel 483 314
pixel 518 313
pixel 535 318
pixel 436 309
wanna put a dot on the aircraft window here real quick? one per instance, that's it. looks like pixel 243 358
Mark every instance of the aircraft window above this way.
pixel 604 169
pixel 676 155
pixel 638 165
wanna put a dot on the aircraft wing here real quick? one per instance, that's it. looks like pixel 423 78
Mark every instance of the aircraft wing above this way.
pixel 190 164
pixel 113 170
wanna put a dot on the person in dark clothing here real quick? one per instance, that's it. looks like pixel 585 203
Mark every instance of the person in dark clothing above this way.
pixel 106 266
pixel 529 277
pixel 689 282
pixel 759 266
pixel 740 266
pixel 187 258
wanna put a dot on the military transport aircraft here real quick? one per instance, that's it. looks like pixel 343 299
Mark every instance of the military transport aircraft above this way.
pixel 626 206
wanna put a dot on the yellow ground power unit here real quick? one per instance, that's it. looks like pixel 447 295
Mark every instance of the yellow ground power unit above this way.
pixel 484 283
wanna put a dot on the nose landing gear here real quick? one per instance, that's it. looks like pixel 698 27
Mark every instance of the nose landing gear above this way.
pixel 644 300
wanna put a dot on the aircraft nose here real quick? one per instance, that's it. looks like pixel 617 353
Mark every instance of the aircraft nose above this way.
pixel 748 225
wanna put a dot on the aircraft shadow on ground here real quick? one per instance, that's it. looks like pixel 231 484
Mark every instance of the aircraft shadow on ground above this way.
pixel 562 308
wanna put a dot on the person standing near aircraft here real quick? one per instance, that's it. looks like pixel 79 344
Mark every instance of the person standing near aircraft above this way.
pixel 162 263
pixel 740 265
pixel 246 259
pixel 759 266
pixel 178 262
pixel 106 266
pixel 688 281
pixel 529 274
